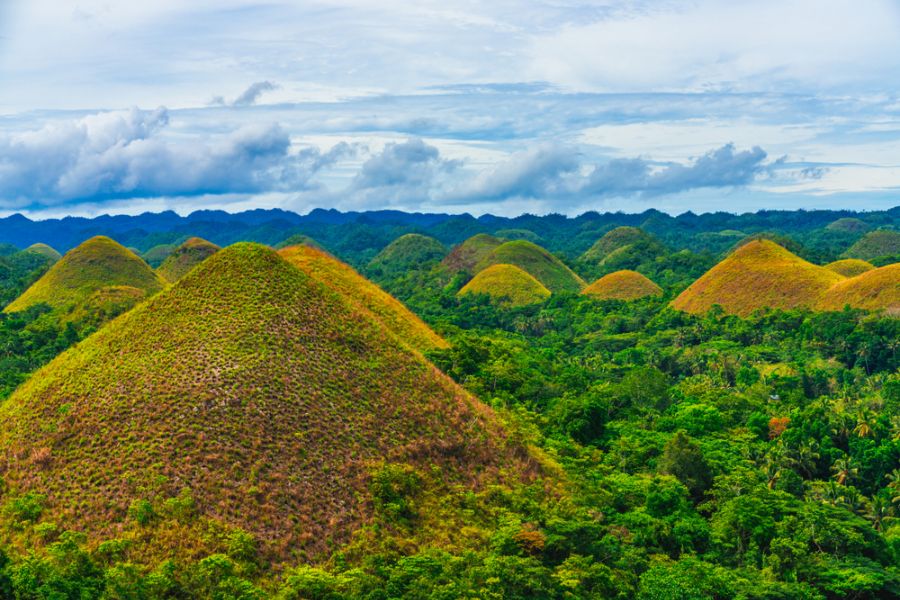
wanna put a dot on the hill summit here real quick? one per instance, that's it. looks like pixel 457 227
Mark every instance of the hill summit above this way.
pixel 758 274
pixel 507 285
pixel 48 252
pixel 876 289
pixel 250 395
pixel 850 267
pixel 96 264
pixel 466 256
pixel 875 244
pixel 613 240
pixel 187 256
pixel 408 251
pixel 622 285
pixel 537 262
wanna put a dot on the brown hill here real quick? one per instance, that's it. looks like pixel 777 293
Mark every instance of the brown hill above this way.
pixel 877 289
pixel 622 285
pixel 849 267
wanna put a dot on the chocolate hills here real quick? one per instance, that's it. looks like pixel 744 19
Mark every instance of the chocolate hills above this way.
pixel 849 267
pixel 622 285
pixel 613 240
pixel 187 256
pixel 365 296
pixel 466 256
pixel 157 254
pixel 875 244
pixel 247 396
pixel 758 274
pixel 507 285
pixel 876 289
pixel 44 250
pixel 409 251
pixel 537 262
pixel 97 263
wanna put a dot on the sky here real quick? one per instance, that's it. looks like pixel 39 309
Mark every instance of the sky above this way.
pixel 453 106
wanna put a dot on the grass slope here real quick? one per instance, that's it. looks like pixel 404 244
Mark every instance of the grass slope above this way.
pixel 537 262
pixel 758 274
pixel 848 224
pixel 157 254
pixel 849 267
pixel 613 240
pixel 97 263
pixel 187 256
pixel 365 296
pixel 877 289
pixel 466 256
pixel 623 285
pixel 507 285
pixel 409 252
pixel 267 395
pixel 46 251
pixel 874 244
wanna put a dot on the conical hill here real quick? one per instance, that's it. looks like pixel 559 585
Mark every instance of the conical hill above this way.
pixel 850 267
pixel 407 252
pixel 46 251
pixel 97 263
pixel 877 289
pixel 875 244
pixel 365 295
pixel 468 254
pixel 187 256
pixel 613 240
pixel 537 262
pixel 758 274
pixel 507 285
pixel 622 285
pixel 253 396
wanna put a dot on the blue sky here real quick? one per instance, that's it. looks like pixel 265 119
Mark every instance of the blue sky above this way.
pixel 502 107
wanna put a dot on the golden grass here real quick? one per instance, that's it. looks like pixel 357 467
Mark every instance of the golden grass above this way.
pixel 877 289
pixel 622 285
pixel 366 296
pixel 507 285
pixel 757 275
pixel 849 267
pixel 187 256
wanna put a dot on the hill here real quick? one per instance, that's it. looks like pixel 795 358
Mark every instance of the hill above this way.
pixel 466 256
pixel 157 254
pixel 849 225
pixel 876 289
pixel 367 297
pixel 507 285
pixel 536 261
pixel 97 263
pixel 187 256
pixel 758 274
pixel 409 251
pixel 874 244
pixel 613 240
pixel 297 239
pixel 849 267
pixel 44 250
pixel 623 285
pixel 248 396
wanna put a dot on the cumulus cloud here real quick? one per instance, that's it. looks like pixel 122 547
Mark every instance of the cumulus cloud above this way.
pixel 402 171
pixel 125 154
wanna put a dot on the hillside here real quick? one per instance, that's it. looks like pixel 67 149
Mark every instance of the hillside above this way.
pixel 613 240
pixel 849 267
pixel 409 251
pixel 848 224
pixel 874 244
pixel 876 289
pixel 187 256
pixel 365 295
pixel 157 254
pixel 97 263
pixel 466 256
pixel 622 285
pixel 758 274
pixel 536 261
pixel 44 250
pixel 246 396
pixel 507 285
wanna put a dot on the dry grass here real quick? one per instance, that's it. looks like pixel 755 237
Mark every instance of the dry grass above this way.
pixel 623 285
pixel 507 285
pixel 877 289
pixel 849 267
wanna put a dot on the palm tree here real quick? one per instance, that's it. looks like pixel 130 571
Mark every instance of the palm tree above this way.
pixel 844 470
pixel 865 424
pixel 879 511
pixel 805 457
pixel 894 485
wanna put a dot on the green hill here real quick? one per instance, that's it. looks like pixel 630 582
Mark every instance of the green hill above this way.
pixel 298 239
pixel 407 252
pixel 365 295
pixel 44 250
pixel 613 240
pixel 187 256
pixel 758 274
pixel 883 242
pixel 537 262
pixel 849 267
pixel 507 285
pixel 248 396
pixel 849 225
pixel 622 285
pixel 466 256
pixel 97 263
pixel 157 254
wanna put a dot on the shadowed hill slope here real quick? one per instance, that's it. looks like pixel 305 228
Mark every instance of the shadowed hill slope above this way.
pixel 874 244
pixel 758 274
pixel 187 256
pixel 537 262
pixel 622 285
pixel 466 256
pixel 261 391
pixel 849 267
pixel 876 289
pixel 46 251
pixel 613 240
pixel 97 263
pixel 365 295
pixel 507 285
pixel 409 251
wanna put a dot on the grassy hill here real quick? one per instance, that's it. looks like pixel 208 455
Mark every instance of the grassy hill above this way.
pixel 613 240
pixel 536 261
pixel 849 267
pixel 367 297
pixel 157 254
pixel 466 256
pixel 758 274
pixel 46 251
pixel 623 285
pixel 97 263
pixel 874 244
pixel 409 251
pixel 187 256
pixel 247 397
pixel 298 239
pixel 875 289
pixel 849 225
pixel 507 285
